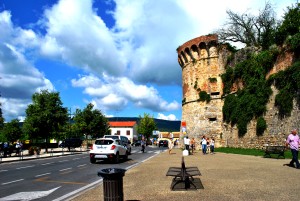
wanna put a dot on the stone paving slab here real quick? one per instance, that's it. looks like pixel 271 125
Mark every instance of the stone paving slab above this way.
pixel 224 177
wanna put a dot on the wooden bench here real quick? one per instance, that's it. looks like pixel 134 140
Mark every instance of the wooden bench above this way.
pixel 183 175
pixel 279 150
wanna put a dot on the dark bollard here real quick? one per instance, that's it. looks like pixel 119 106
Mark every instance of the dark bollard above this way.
pixel 112 183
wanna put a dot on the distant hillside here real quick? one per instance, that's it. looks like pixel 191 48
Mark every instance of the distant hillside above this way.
pixel 162 125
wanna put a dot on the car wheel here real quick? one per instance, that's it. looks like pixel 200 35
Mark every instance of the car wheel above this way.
pixel 129 152
pixel 92 160
pixel 117 158
pixel 126 156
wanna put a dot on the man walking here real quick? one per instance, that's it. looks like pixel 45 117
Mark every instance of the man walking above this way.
pixel 293 141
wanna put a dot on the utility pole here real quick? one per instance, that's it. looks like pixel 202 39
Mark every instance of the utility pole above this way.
pixel 70 122
pixel 1 115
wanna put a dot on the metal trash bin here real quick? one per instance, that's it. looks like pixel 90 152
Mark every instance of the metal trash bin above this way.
pixel 112 183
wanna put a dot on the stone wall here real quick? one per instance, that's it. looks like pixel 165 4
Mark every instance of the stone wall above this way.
pixel 275 134
pixel 202 61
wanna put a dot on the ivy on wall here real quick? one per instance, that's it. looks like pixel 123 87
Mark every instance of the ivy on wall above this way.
pixel 250 101
pixel 288 84
pixel 203 96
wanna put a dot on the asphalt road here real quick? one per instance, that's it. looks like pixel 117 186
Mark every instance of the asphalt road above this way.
pixel 58 178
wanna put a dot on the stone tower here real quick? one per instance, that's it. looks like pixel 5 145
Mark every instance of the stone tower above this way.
pixel 202 60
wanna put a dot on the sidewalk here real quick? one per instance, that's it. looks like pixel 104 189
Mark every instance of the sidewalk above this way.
pixel 52 152
pixel 224 177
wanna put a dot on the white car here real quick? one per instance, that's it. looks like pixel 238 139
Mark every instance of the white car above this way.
pixel 123 139
pixel 108 149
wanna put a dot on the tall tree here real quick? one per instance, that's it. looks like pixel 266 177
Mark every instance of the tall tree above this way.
pixel 146 125
pixel 12 131
pixel 45 116
pixel 90 122
pixel 248 29
pixel 289 28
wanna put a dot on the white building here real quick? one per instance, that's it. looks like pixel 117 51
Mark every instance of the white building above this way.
pixel 124 128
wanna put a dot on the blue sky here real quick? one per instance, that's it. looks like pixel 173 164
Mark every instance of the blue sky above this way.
pixel 119 55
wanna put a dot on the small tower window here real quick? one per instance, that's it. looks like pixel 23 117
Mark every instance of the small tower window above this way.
pixel 215 93
pixel 212 119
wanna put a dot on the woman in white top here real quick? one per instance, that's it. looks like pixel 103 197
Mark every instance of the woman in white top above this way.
pixel 170 145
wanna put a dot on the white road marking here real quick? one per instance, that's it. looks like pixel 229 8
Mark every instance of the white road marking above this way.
pixel 81 165
pixel 27 196
pixel 83 189
pixel 3 170
pixel 40 175
pixel 25 167
pixel 76 159
pixel 65 169
pixel 12 182
pixel 63 161
pixel 47 163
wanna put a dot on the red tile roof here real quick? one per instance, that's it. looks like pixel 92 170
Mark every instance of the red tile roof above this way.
pixel 122 123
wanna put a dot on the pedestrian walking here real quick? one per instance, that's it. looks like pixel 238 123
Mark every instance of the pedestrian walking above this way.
pixel 5 149
pixel 293 142
pixel 204 144
pixel 18 147
pixel 207 145
pixel 187 143
pixel 170 145
pixel 143 144
pixel 193 142
pixel 212 146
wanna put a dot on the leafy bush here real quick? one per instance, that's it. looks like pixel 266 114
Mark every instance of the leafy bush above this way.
pixel 203 96
pixel 294 42
pixel 290 24
pixel 251 100
pixel 261 126
pixel 288 84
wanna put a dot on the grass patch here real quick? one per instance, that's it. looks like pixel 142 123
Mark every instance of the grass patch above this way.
pixel 251 152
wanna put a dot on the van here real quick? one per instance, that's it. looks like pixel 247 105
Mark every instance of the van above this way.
pixel 123 139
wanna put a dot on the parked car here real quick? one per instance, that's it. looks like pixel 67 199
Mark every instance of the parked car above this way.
pixel 163 143
pixel 71 143
pixel 124 141
pixel 108 149
pixel 148 142
pixel 136 143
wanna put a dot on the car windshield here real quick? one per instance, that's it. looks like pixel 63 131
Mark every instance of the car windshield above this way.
pixel 103 142
pixel 112 136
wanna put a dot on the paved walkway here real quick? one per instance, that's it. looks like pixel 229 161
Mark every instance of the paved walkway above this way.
pixel 224 177
pixel 55 152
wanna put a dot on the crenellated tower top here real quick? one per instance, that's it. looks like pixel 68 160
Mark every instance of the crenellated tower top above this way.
pixel 202 47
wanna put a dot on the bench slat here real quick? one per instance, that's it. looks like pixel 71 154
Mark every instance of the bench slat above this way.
pixel 184 174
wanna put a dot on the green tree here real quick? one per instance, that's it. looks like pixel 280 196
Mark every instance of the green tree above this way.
pixel 290 25
pixel 45 116
pixel 90 122
pixel 12 131
pixel 146 125
pixel 248 29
